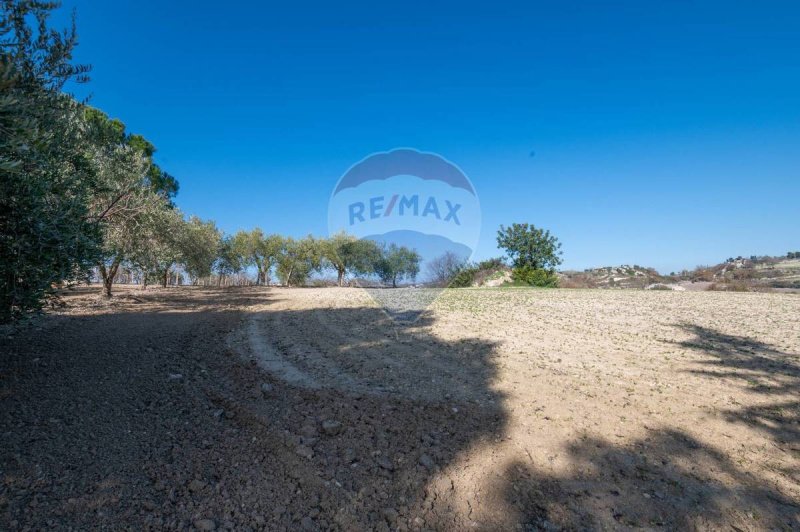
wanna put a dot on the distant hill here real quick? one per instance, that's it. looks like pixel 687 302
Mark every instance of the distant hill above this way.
pixel 754 273
pixel 624 276
pixel 735 274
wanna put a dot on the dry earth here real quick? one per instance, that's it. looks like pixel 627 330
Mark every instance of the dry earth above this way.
pixel 312 409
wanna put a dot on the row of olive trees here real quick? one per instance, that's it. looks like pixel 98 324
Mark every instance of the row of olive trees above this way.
pixel 293 261
pixel 78 192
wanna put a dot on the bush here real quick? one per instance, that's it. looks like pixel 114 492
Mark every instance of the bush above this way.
pixel 491 264
pixel 535 277
pixel 464 278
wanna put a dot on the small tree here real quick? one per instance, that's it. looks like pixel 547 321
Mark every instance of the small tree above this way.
pixel 228 262
pixel 444 268
pixel 157 244
pixel 298 259
pixel 529 247
pixel 396 263
pixel 346 253
pixel 199 247
pixel 256 249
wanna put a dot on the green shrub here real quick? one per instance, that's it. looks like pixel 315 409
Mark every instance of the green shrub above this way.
pixel 490 264
pixel 464 278
pixel 535 277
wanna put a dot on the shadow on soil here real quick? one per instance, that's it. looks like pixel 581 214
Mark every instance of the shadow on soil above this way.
pixel 99 433
pixel 665 479
pixel 760 368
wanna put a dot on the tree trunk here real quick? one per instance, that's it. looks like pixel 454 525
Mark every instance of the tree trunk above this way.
pixel 165 278
pixel 341 277
pixel 394 282
pixel 109 275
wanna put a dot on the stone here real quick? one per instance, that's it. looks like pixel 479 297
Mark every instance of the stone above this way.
pixel 385 463
pixel 427 462
pixel 196 485
pixel 205 524
pixel 331 427
pixel 304 451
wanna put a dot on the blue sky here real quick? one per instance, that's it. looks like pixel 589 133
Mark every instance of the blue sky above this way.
pixel 663 133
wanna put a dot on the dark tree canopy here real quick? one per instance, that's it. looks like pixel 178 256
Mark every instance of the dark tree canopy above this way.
pixel 529 247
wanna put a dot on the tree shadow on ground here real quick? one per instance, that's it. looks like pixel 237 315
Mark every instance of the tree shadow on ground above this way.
pixel 143 418
pixel 759 368
pixel 384 406
pixel 140 416
pixel 670 478
pixel 667 479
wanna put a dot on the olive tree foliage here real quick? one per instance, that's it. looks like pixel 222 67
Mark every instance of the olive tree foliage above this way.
pixel 199 248
pixel 126 203
pixel 347 254
pixel 157 244
pixel 298 259
pixel 254 248
pixel 529 247
pixel 228 261
pixel 397 263
pixel 47 235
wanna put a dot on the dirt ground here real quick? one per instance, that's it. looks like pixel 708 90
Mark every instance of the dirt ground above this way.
pixel 311 409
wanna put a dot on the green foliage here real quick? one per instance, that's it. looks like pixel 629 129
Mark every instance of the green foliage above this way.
pixel 46 233
pixel 298 259
pixel 397 263
pixel 228 261
pixel 199 246
pixel 494 263
pixel 464 278
pixel 157 243
pixel 527 246
pixel 535 277
pixel 253 248
pixel 346 253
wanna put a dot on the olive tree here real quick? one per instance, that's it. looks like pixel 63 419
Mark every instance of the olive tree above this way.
pixel 348 254
pixel 298 259
pixel 396 263
pixel 46 235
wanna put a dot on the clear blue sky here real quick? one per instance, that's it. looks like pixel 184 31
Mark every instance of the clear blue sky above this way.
pixel 665 133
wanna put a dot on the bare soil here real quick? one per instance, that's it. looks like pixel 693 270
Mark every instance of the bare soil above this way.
pixel 312 409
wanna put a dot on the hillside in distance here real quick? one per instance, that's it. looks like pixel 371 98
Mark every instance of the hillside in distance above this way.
pixel 756 273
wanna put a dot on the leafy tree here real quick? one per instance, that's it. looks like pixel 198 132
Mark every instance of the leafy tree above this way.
pixel 298 259
pixel 529 247
pixel 199 247
pixel 157 244
pixel 397 263
pixel 256 249
pixel 228 261
pixel 124 205
pixel 46 235
pixel 346 253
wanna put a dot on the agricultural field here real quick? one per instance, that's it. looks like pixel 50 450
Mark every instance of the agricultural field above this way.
pixel 494 409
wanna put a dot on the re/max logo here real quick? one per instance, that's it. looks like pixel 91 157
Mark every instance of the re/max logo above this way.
pixel 377 207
